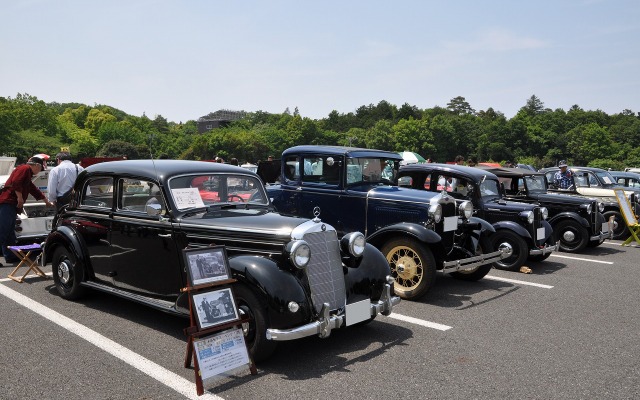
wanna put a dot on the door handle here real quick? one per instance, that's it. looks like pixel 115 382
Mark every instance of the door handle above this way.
pixel 164 235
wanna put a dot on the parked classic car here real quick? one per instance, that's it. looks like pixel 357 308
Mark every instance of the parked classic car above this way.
pixel 577 221
pixel 626 178
pixel 125 229
pixel 418 232
pixel 521 228
pixel 598 183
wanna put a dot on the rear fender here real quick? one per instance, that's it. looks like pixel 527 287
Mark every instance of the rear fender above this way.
pixel 63 236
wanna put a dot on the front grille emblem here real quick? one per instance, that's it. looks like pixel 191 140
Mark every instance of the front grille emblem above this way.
pixel 316 214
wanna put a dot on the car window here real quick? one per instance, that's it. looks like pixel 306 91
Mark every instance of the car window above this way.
pixel 291 170
pixel 200 190
pixel 98 192
pixel 489 188
pixel 371 170
pixel 535 183
pixel 406 181
pixel 593 180
pixel 321 170
pixel 136 194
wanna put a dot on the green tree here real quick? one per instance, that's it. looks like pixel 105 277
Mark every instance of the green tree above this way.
pixel 460 106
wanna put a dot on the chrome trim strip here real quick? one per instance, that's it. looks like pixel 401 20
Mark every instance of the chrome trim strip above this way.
pixel 546 249
pixel 279 231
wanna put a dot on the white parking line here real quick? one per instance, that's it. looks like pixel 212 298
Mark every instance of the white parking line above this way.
pixel 420 322
pixel 157 372
pixel 583 259
pixel 496 278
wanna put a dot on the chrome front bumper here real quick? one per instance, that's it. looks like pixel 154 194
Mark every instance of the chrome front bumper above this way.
pixel 605 235
pixel 325 323
pixel 546 249
pixel 475 261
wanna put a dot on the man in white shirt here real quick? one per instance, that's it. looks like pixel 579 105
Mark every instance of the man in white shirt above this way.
pixel 62 179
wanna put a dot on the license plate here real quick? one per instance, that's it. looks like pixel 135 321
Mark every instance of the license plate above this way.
pixel 540 234
pixel 605 228
pixel 358 312
pixel 450 223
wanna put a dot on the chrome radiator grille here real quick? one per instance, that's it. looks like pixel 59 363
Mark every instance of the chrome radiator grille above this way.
pixel 324 270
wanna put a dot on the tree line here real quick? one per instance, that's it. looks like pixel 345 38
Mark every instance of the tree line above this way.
pixel 535 135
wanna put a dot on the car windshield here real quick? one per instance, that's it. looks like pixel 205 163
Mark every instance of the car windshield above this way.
pixel 201 190
pixel 535 183
pixel 489 188
pixel 606 177
pixel 371 170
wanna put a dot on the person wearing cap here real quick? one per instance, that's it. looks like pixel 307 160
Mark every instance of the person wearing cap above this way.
pixel 62 178
pixel 15 192
pixel 563 179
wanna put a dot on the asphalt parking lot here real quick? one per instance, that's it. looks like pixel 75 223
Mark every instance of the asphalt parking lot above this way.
pixel 568 330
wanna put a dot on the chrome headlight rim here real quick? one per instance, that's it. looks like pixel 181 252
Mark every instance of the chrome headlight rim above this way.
pixel 353 244
pixel 435 212
pixel 601 206
pixel 299 253
pixel 466 209
pixel 527 216
pixel 587 208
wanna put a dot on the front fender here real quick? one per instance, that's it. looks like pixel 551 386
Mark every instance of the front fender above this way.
pixel 548 230
pixel 274 287
pixel 515 227
pixel 417 231
pixel 367 279
pixel 485 226
pixel 569 215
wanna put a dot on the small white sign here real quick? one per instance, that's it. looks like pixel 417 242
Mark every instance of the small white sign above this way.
pixel 450 223
pixel 187 198
pixel 358 312
pixel 221 354
pixel 540 234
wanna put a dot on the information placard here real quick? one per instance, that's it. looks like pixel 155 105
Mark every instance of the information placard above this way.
pixel 221 355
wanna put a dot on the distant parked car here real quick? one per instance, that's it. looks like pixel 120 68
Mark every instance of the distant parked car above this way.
pixel 577 220
pixel 599 183
pixel 628 179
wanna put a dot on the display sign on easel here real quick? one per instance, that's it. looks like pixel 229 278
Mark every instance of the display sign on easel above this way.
pixel 215 334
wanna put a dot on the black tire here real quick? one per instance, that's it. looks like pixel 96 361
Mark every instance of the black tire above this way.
pixel 620 231
pixel 412 265
pixel 477 273
pixel 520 250
pixel 573 237
pixel 68 273
pixel 255 331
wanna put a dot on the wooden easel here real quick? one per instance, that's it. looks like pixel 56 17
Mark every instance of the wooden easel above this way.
pixel 629 217
pixel 194 332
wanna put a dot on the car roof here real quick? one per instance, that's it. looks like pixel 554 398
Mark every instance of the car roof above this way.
pixel 510 172
pixel 625 174
pixel 161 169
pixel 473 172
pixel 354 152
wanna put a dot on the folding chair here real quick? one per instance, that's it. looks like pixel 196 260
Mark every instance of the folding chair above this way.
pixel 629 217
pixel 25 254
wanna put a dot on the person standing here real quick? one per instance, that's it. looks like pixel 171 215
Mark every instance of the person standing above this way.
pixel 563 179
pixel 62 178
pixel 459 160
pixel 12 197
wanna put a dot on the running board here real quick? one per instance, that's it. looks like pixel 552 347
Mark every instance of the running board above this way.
pixel 161 305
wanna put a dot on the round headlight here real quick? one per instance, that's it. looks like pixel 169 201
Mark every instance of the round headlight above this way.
pixel 545 212
pixel 587 208
pixel 601 206
pixel 435 211
pixel 354 243
pixel 466 209
pixel 527 215
pixel 300 254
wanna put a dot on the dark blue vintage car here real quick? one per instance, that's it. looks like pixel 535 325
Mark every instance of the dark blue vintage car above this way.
pixel 129 221
pixel 521 229
pixel 418 232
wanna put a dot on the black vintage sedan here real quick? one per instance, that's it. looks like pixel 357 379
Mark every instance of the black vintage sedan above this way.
pixel 129 221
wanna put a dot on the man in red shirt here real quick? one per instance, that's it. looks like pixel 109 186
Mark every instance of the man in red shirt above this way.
pixel 12 197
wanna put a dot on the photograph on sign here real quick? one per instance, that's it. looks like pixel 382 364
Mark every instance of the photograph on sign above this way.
pixel 215 307
pixel 206 265
pixel 221 355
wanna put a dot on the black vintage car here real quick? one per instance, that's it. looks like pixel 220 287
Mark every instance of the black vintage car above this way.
pixel 577 221
pixel 598 183
pixel 129 221
pixel 521 229
pixel 418 232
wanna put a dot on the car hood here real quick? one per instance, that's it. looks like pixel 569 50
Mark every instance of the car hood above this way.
pixel 250 220
pixel 401 194
pixel 509 205
pixel 559 198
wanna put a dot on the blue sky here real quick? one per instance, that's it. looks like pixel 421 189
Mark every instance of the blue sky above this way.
pixel 184 59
